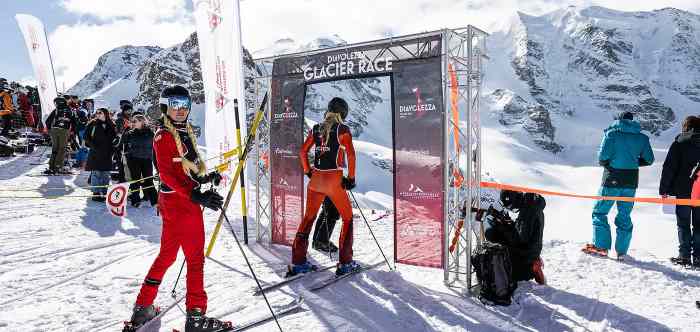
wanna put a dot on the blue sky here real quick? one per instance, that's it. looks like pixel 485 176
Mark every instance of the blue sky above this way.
pixel 14 64
pixel 81 30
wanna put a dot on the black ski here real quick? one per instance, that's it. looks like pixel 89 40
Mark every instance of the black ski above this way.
pixel 325 283
pixel 50 175
pixel 144 327
pixel 290 280
pixel 286 310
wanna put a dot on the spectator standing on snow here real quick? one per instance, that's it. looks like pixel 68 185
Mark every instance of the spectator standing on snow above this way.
pixel 6 107
pixel 682 158
pixel 624 149
pixel 100 135
pixel 124 118
pixel 59 123
pixel 137 146
pixel 25 106
pixel 182 173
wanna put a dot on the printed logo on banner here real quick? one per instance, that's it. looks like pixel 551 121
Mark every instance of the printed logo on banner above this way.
pixel 425 228
pixel 116 199
pixel 34 39
pixel 221 84
pixel 346 63
pixel 215 18
pixel 224 147
pixel 284 184
pixel 43 85
pixel 416 192
pixel 288 113
pixel 285 153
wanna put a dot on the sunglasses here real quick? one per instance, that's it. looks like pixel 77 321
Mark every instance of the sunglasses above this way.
pixel 177 102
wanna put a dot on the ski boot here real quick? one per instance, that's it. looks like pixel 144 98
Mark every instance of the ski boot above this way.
pixel 696 262
pixel 197 322
pixel 624 258
pixel 295 269
pixel 680 260
pixel 593 250
pixel 346 268
pixel 140 317
pixel 537 267
pixel 49 171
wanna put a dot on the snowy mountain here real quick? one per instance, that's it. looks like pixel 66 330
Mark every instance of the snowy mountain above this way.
pixel 112 66
pixel 565 71
pixel 288 45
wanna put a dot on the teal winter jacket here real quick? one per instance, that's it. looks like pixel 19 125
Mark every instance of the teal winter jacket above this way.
pixel 624 149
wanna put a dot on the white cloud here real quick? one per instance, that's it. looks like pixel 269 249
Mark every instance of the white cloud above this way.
pixel 108 9
pixel 76 48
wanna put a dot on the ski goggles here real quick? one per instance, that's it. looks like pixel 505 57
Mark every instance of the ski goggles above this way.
pixel 177 102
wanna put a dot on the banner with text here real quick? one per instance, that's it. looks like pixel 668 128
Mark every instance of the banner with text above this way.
pixel 221 55
pixel 416 71
pixel 40 57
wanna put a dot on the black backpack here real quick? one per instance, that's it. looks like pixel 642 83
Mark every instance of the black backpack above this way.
pixel 494 273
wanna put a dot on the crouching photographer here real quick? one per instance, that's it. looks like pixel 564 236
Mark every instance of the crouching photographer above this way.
pixel 513 247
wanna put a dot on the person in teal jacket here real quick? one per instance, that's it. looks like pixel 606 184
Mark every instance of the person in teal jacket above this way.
pixel 624 149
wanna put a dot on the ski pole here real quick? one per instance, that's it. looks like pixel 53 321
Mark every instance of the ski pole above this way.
pixel 172 293
pixel 370 230
pixel 223 212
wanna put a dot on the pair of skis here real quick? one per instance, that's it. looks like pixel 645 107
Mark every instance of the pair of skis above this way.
pixel 287 309
pixel 321 284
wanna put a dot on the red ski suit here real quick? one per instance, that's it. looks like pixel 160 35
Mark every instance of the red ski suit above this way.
pixel 183 224
pixel 326 180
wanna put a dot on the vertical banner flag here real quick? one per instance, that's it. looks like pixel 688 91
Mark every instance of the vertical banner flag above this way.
pixel 418 162
pixel 116 199
pixel 40 56
pixel 221 55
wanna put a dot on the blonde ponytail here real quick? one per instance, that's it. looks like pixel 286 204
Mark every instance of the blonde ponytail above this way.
pixel 331 119
pixel 187 165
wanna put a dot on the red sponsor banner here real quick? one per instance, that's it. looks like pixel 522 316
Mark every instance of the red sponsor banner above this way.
pixel 286 175
pixel 418 176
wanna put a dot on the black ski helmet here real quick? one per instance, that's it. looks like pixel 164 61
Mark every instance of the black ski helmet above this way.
pixel 338 105
pixel 60 103
pixel 125 105
pixel 172 91
pixel 512 199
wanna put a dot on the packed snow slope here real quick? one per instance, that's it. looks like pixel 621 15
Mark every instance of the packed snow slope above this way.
pixel 67 265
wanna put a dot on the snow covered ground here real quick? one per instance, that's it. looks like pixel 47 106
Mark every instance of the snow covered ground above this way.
pixel 67 265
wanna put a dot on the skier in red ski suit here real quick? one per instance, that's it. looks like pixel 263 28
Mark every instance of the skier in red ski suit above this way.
pixel 332 141
pixel 182 172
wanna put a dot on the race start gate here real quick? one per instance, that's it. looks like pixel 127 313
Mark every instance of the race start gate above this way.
pixel 435 82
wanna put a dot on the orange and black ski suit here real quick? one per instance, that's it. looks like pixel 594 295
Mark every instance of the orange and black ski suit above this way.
pixel 326 180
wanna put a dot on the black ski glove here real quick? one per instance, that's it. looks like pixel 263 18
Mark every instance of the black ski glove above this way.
pixel 308 174
pixel 348 183
pixel 209 199
pixel 213 177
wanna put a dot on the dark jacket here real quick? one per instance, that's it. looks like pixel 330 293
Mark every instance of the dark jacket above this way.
pixel 100 137
pixel 81 119
pixel 524 236
pixel 682 156
pixel 624 149
pixel 138 143
pixel 122 122
pixel 61 118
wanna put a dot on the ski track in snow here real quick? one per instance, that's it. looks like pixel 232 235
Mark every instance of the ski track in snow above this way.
pixel 67 265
